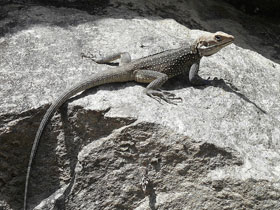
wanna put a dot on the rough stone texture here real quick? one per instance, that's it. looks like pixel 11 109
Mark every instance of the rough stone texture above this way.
pixel 270 8
pixel 218 149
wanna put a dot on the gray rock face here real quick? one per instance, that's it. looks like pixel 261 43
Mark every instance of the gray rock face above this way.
pixel 218 149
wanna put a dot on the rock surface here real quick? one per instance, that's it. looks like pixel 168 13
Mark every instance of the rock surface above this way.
pixel 218 149
pixel 270 8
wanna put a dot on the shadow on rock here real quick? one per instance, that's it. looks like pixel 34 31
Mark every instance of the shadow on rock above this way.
pixel 228 87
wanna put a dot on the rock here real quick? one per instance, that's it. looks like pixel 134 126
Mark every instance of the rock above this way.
pixel 218 149
pixel 268 8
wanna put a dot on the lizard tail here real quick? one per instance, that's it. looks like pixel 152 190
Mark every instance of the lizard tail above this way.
pixel 110 76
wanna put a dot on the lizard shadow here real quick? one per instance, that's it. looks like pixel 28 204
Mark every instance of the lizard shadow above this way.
pixel 226 86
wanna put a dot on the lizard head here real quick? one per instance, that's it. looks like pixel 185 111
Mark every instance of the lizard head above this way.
pixel 210 44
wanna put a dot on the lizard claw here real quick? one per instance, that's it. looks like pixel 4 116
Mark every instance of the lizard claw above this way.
pixel 159 95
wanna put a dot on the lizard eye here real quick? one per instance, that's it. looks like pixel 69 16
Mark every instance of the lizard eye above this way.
pixel 218 38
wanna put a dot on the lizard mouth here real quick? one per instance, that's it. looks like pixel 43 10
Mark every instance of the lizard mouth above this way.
pixel 227 43
pixel 218 45
pixel 210 50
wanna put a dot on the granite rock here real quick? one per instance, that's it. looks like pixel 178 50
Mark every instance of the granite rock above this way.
pixel 218 149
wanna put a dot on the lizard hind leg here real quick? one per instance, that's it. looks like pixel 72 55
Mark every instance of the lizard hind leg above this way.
pixel 155 80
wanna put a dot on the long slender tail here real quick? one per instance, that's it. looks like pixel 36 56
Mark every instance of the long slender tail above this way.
pixel 110 76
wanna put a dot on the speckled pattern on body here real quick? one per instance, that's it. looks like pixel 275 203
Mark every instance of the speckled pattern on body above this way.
pixel 170 62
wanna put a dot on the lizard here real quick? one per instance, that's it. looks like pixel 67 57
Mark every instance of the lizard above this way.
pixel 154 69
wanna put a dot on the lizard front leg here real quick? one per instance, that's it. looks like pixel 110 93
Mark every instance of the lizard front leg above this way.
pixel 155 80
pixel 123 56
pixel 194 78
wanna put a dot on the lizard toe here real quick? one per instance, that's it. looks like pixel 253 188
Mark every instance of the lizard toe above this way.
pixel 163 95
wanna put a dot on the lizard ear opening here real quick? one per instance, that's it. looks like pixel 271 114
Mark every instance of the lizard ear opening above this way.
pixel 203 44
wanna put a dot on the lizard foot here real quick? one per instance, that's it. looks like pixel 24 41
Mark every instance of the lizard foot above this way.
pixel 159 95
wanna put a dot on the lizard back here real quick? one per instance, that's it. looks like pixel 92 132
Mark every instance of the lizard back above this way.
pixel 171 62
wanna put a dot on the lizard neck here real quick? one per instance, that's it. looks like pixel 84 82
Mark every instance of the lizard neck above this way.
pixel 191 54
pixel 194 50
